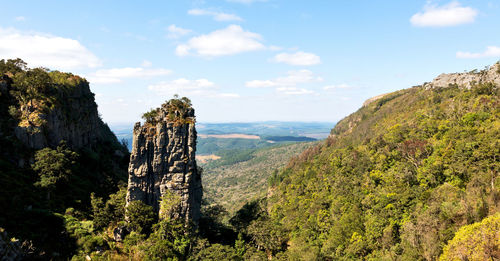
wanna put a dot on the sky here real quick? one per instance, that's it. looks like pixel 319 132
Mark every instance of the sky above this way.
pixel 250 60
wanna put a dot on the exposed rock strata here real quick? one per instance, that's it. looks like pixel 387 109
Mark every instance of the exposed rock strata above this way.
pixel 467 79
pixel 163 159
pixel 74 119
pixel 462 80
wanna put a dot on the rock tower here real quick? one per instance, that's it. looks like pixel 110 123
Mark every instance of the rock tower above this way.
pixel 163 161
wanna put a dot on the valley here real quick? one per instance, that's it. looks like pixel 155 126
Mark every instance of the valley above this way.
pixel 239 159
pixel 250 130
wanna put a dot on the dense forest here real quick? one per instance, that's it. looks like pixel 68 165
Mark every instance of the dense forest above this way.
pixel 396 180
pixel 43 175
pixel 412 175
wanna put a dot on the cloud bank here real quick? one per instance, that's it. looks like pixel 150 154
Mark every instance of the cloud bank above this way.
pixel 451 14
pixel 46 50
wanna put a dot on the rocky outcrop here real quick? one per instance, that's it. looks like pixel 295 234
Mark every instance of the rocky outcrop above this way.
pixel 75 121
pixel 467 79
pixel 163 161
pixel 463 80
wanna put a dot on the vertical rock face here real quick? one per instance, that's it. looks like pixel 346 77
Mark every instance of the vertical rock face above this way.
pixel 163 161
pixel 76 122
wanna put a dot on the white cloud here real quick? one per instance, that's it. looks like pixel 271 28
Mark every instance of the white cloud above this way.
pixel 183 86
pixel 45 50
pixel 294 91
pixel 440 16
pixel 230 40
pixel 20 18
pixel 340 86
pixel 177 32
pixel 116 75
pixel 217 16
pixel 298 58
pixel 260 84
pixel 292 79
pixel 186 87
pixel 491 51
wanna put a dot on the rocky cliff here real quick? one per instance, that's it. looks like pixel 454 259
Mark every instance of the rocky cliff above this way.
pixel 77 122
pixel 490 74
pixel 49 107
pixel 39 109
pixel 467 79
pixel 163 162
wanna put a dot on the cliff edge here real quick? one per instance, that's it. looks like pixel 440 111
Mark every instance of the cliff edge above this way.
pixel 162 162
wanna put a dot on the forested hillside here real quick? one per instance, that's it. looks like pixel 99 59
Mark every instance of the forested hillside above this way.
pixel 54 152
pixel 232 183
pixel 412 175
pixel 395 180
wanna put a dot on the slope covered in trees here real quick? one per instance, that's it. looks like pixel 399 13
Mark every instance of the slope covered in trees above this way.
pixel 54 152
pixel 396 179
pixel 412 175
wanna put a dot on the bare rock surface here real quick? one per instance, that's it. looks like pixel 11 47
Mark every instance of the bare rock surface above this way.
pixel 467 79
pixel 163 160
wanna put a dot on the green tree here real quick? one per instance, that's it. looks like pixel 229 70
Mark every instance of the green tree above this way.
pixel 478 241
pixel 150 116
pixel 217 252
pixel 169 204
pixel 267 236
pixel 33 84
pixel 53 166
pixel 111 212
pixel 12 66
pixel 140 216
pixel 171 240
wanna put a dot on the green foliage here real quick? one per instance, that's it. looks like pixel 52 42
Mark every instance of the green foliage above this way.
pixel 140 217
pixel 53 166
pixel 399 178
pixel 169 204
pixel 171 240
pixel 251 211
pixel 245 172
pixel 110 212
pixel 266 235
pixel 212 225
pixel 478 241
pixel 150 116
pixel 178 111
pixel 29 99
pixel 12 66
pixel 217 252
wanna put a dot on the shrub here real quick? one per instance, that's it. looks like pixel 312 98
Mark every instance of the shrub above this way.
pixel 140 217
pixel 478 241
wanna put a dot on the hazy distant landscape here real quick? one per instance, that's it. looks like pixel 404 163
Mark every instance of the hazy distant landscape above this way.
pixel 269 130
pixel 216 137
pixel 238 158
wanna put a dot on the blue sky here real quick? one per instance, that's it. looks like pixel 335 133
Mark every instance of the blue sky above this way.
pixel 250 60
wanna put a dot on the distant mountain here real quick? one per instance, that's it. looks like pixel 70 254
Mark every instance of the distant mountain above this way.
pixel 268 132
